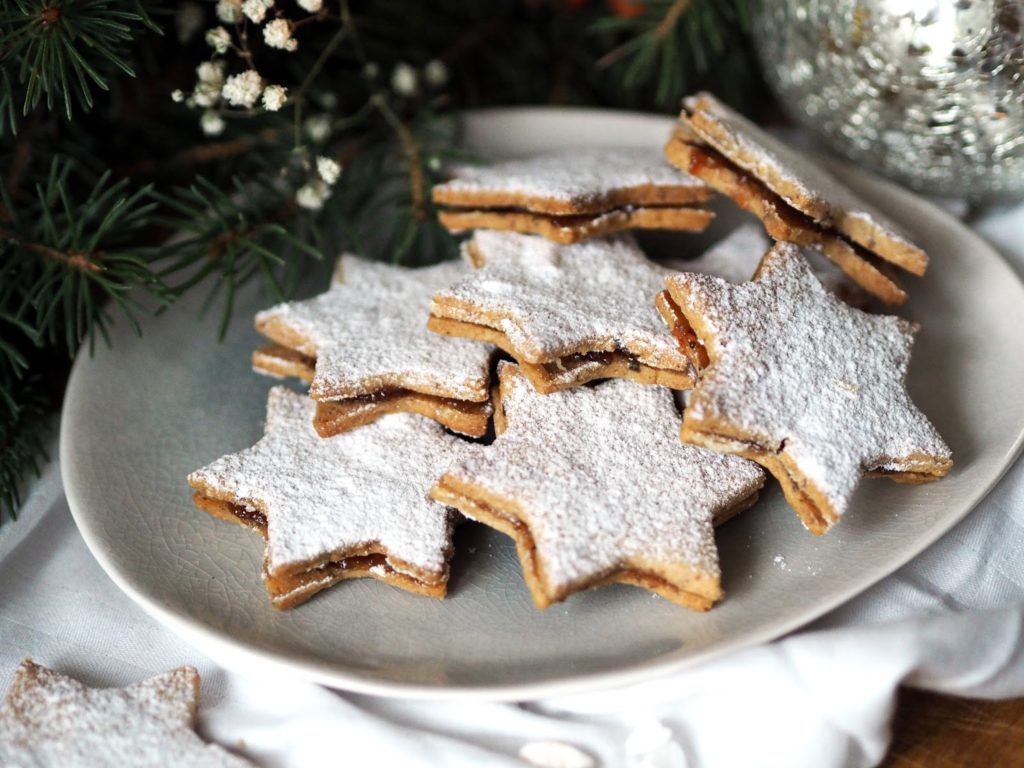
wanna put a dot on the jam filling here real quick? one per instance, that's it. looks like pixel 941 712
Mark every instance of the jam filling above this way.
pixel 569 362
pixel 575 220
pixel 753 195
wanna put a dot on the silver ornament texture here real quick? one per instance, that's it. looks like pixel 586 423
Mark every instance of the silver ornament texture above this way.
pixel 930 93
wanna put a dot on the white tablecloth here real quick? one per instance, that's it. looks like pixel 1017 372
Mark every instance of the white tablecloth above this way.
pixel 951 620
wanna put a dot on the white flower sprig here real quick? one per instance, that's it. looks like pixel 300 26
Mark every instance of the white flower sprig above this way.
pixel 278 34
pixel 313 194
pixel 244 89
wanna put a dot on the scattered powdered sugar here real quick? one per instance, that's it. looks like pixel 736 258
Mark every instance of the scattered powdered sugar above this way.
pixel 651 745
pixel 735 258
pixel 796 369
pixel 780 562
pixel 369 333
pixel 53 720
pixel 578 176
pixel 601 479
pixel 766 156
pixel 555 754
pixel 329 495
pixel 558 300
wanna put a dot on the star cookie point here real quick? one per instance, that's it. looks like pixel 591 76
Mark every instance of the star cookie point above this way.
pixel 574 195
pixel 365 351
pixel 336 508
pixel 49 719
pixel 568 313
pixel 796 200
pixel 808 387
pixel 592 485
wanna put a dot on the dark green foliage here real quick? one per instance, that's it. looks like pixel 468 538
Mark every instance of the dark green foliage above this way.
pixel 61 50
pixel 113 202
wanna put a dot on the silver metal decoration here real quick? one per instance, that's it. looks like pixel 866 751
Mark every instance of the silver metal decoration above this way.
pixel 928 92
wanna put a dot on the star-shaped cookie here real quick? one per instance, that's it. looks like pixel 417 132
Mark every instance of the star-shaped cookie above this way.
pixel 49 719
pixel 811 389
pixel 735 258
pixel 797 200
pixel 365 349
pixel 338 508
pixel 567 313
pixel 574 195
pixel 595 487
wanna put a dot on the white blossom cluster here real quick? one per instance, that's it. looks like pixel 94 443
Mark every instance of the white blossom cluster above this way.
pixel 218 90
pixel 314 193
pixel 405 80
pixel 215 90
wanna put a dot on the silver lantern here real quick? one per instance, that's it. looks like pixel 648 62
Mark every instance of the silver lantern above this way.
pixel 928 92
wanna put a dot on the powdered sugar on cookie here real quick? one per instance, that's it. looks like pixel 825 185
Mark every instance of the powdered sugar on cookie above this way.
pixel 553 300
pixel 600 479
pixel 582 178
pixel 325 498
pixel 735 258
pixel 802 378
pixel 368 333
pixel 791 174
pixel 49 719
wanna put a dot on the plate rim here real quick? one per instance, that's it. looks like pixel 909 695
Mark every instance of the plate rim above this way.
pixel 232 653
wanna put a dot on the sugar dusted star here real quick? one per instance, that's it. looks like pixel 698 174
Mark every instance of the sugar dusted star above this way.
pixel 341 507
pixel 49 719
pixel 808 387
pixel 595 487
pixel 365 348
pixel 574 195
pixel 567 313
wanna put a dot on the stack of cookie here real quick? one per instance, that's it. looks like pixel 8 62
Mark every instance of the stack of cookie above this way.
pixel 551 350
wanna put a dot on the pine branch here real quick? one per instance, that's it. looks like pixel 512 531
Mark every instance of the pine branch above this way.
pixel 63 49
pixel 677 46
pixel 225 238
pixel 74 252
pixel 22 429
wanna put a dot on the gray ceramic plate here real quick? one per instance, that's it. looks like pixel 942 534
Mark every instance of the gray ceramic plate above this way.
pixel 139 417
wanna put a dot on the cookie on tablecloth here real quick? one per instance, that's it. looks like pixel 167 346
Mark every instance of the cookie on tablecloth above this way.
pixel 797 200
pixel 808 387
pixel 366 351
pixel 336 508
pixel 735 258
pixel 49 719
pixel 567 313
pixel 595 487
pixel 574 195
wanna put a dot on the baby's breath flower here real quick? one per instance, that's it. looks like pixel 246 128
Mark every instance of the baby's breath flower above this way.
pixel 434 163
pixel 219 39
pixel 403 79
pixel 311 196
pixel 278 34
pixel 371 70
pixel 211 80
pixel 229 11
pixel 210 72
pixel 274 97
pixel 318 128
pixel 177 95
pixel 435 73
pixel 211 123
pixel 311 5
pixel 256 10
pixel 328 169
pixel 243 90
